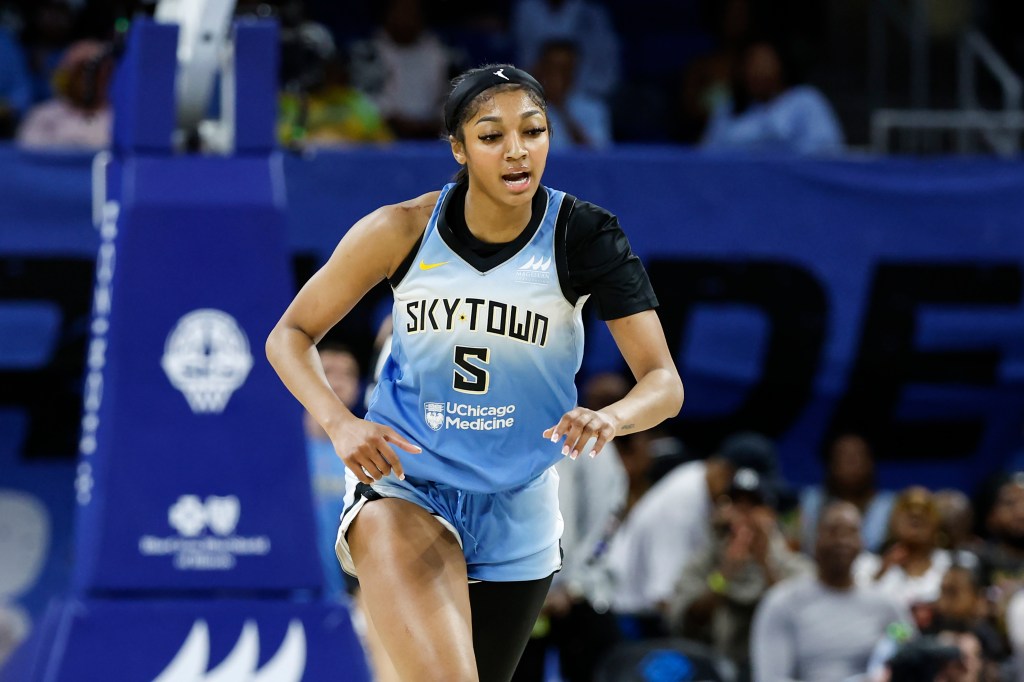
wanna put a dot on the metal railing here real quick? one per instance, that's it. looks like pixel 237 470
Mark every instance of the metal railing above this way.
pixel 968 129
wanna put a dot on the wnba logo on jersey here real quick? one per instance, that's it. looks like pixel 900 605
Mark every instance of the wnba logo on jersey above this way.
pixel 434 414
pixel 534 271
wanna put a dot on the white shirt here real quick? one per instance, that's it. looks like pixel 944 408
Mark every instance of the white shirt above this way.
pixel 1015 631
pixel 415 77
pixel 535 22
pixel 668 526
pixel 591 493
pixel 58 125
pixel 908 589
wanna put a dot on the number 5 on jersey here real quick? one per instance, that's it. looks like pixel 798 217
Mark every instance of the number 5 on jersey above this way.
pixel 468 376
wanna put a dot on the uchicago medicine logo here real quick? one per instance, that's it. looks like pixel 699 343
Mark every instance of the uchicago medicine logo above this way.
pixel 207 358
pixel 206 538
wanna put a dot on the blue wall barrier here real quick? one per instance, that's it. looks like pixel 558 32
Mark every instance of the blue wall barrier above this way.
pixel 799 296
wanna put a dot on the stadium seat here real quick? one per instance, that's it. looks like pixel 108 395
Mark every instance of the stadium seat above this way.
pixel 665 660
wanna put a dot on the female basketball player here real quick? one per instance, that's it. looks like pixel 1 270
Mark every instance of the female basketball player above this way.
pixel 455 543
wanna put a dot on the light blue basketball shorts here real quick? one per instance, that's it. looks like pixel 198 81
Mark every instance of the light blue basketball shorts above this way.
pixel 505 536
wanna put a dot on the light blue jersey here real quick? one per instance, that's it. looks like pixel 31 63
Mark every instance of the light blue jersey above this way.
pixel 482 360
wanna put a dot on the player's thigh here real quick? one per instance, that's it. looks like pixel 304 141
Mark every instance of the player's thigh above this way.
pixel 413 577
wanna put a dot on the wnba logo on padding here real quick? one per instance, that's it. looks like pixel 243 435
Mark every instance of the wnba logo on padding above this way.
pixel 434 414
pixel 207 358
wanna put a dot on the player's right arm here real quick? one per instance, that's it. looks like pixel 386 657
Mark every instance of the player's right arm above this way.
pixel 370 251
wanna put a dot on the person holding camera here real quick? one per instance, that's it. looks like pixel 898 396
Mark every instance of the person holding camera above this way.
pixel 719 588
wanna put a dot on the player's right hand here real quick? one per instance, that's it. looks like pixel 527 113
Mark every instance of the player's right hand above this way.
pixel 366 449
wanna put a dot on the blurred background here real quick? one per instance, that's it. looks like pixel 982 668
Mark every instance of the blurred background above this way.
pixel 827 195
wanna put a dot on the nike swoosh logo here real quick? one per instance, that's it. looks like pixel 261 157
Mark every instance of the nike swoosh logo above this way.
pixel 431 266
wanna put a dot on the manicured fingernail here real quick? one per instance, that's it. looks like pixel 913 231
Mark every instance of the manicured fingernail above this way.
pixel 565 449
pixel 592 454
pixel 401 477
pixel 575 454
pixel 554 437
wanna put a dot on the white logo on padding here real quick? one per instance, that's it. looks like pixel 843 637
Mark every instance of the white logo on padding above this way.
pixel 241 665
pixel 207 358
pixel 434 414
pixel 193 549
pixel 222 514
pixel 189 516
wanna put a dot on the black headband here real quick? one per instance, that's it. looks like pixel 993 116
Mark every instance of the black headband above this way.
pixel 477 82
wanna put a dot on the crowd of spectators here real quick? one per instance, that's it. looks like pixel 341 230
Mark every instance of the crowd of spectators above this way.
pixel 378 72
pixel 717 555
pixel 837 581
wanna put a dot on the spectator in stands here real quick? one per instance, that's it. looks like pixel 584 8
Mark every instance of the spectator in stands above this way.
pixel 593 498
pixel 327 472
pixel 823 627
pixel 536 22
pixel 962 607
pixel 956 521
pixel 327 477
pixel 1015 632
pixel 576 118
pixel 330 112
pixel 912 566
pixel 707 80
pixel 15 84
pixel 929 659
pixel 1002 554
pixel 405 69
pixel 670 525
pixel 79 117
pixel 766 113
pixel 718 589
pixel 47 34
pixel 849 477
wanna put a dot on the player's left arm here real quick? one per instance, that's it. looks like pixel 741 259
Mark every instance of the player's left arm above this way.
pixel 657 396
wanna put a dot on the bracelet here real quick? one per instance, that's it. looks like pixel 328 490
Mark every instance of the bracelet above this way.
pixel 717 583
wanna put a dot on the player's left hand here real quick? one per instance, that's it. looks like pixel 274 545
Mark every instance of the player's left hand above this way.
pixel 578 426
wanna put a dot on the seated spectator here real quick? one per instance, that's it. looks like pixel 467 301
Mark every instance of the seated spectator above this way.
pixel 47 34
pixel 536 22
pixel 956 522
pixel 330 113
pixel 849 477
pixel 79 117
pixel 576 119
pixel 594 499
pixel 706 81
pixel 1002 554
pixel 930 659
pixel 1015 632
pixel 15 84
pixel 913 564
pixel 962 607
pixel 824 626
pixel 327 471
pixel 765 113
pixel 971 666
pixel 405 69
pixel 719 589
pixel 670 525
